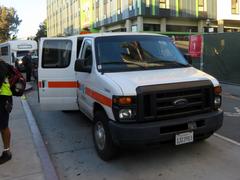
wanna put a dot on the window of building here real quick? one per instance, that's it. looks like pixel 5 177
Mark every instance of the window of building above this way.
pixel 97 10
pixel 176 28
pixel 202 5
pixel 235 5
pixel 130 2
pixel 56 53
pixel 118 6
pixel 148 3
pixel 105 9
pixel 162 4
pixel 151 27
pixel 180 6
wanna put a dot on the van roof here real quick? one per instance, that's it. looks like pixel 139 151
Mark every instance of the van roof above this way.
pixel 107 34
pixel 118 34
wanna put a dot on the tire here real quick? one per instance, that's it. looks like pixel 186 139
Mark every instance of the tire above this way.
pixel 102 138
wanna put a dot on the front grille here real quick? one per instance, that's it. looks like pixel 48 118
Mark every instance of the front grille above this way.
pixel 156 103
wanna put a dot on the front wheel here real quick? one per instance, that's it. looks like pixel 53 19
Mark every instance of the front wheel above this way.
pixel 102 137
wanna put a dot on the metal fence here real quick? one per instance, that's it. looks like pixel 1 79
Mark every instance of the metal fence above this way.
pixel 221 56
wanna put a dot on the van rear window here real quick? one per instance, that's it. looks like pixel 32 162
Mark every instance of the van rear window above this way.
pixel 56 53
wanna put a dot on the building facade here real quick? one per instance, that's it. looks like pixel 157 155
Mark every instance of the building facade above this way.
pixel 63 17
pixel 70 16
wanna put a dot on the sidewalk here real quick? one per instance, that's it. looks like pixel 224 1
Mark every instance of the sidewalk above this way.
pixel 25 164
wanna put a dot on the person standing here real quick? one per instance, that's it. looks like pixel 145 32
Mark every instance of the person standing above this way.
pixel 5 109
pixel 28 65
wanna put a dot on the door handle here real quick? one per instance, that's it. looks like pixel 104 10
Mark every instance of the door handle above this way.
pixel 43 83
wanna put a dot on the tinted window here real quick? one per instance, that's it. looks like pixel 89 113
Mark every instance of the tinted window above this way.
pixel 79 45
pixel 4 51
pixel 87 53
pixel 56 53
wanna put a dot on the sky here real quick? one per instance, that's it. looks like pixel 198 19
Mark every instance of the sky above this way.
pixel 31 12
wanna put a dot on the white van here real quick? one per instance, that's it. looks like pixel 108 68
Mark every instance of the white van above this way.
pixel 13 51
pixel 137 88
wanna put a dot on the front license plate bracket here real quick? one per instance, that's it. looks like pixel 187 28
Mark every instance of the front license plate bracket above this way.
pixel 184 138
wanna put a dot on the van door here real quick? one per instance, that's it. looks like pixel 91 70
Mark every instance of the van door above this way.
pixel 85 78
pixel 57 82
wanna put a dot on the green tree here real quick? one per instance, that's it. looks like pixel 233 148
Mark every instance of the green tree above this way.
pixel 9 22
pixel 42 31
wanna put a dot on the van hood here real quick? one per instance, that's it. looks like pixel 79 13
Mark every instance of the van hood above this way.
pixel 129 81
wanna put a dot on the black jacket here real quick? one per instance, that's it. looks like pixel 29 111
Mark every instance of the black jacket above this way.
pixel 4 72
pixel 27 60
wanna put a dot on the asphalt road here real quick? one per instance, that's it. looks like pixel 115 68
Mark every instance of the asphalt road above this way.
pixel 69 142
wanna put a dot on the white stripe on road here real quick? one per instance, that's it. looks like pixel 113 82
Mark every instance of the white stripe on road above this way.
pixel 230 114
pixel 233 114
pixel 227 139
pixel 237 109
pixel 228 95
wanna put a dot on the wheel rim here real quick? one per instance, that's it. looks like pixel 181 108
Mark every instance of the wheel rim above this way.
pixel 100 135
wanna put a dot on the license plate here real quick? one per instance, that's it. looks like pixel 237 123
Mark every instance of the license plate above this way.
pixel 184 138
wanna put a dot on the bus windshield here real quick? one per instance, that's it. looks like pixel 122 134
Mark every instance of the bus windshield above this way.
pixel 22 53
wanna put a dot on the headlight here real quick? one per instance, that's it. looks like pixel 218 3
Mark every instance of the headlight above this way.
pixel 124 108
pixel 126 114
pixel 217 102
pixel 218 98
pixel 20 61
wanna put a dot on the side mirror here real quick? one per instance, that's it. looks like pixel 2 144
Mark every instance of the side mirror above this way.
pixel 188 57
pixel 81 67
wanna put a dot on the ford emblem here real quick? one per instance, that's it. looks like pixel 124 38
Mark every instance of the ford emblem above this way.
pixel 180 102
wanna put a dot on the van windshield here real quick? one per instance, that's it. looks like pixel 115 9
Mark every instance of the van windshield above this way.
pixel 137 52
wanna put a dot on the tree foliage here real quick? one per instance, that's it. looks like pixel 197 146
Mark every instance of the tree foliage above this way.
pixel 9 22
pixel 42 31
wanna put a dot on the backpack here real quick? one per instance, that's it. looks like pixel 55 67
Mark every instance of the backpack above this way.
pixel 16 81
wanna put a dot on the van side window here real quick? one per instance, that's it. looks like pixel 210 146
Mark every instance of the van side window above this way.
pixel 56 53
pixel 79 45
pixel 87 53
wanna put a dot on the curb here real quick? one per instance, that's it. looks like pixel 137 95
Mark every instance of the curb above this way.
pixel 47 165
pixel 29 87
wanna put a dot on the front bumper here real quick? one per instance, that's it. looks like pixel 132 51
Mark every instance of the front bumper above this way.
pixel 164 131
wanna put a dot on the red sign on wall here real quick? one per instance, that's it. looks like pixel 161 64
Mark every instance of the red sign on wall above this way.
pixel 195 46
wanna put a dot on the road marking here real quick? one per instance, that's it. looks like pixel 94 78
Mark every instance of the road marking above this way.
pixel 227 139
pixel 230 114
pixel 233 114
pixel 237 109
pixel 230 96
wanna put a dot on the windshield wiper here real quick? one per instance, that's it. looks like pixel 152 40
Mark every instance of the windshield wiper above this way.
pixel 170 62
pixel 125 62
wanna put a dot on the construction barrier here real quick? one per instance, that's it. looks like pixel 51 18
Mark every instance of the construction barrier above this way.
pixel 220 56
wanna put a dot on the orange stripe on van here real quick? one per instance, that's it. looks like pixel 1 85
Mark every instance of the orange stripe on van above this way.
pixel 98 97
pixel 63 84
